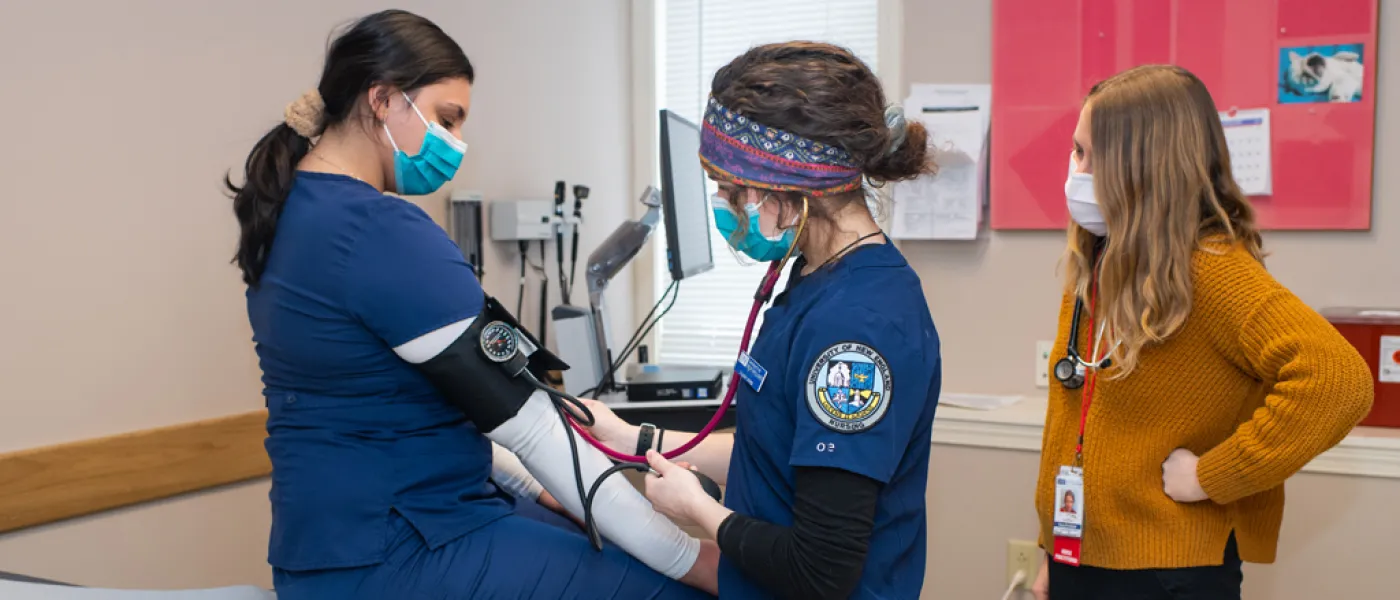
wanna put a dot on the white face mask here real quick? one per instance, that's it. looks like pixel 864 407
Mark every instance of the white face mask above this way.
pixel 1083 208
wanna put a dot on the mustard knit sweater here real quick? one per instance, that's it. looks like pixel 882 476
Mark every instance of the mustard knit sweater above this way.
pixel 1255 383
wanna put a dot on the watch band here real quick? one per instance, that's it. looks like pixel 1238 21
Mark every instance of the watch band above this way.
pixel 644 438
pixel 660 433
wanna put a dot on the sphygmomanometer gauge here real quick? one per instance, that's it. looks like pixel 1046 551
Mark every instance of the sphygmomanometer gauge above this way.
pixel 499 342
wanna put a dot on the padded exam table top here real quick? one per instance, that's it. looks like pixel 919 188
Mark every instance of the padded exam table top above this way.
pixel 23 587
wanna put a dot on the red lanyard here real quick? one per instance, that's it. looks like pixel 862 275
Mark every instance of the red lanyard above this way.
pixel 1090 378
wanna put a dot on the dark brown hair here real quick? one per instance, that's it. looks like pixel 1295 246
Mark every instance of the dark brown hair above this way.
pixel 392 47
pixel 825 93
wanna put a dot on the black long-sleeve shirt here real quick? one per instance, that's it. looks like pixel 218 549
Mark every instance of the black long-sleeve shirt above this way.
pixel 822 554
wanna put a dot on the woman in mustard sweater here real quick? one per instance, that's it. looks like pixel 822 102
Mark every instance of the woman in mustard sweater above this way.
pixel 1191 383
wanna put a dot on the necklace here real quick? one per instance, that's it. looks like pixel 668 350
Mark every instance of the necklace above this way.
pixel 843 251
pixel 318 156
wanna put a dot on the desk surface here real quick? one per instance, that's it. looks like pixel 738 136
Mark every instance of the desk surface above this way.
pixel 621 404
pixel 676 415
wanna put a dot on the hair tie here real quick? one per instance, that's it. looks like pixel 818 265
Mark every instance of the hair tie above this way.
pixel 307 114
pixel 894 119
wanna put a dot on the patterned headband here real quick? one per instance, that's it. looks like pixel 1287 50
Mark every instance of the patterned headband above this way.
pixel 739 150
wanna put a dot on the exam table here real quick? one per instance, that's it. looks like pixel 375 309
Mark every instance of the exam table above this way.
pixel 21 587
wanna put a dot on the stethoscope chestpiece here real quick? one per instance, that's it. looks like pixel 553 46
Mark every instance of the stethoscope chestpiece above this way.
pixel 1069 374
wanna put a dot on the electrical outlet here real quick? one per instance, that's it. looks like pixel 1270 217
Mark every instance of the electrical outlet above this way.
pixel 1042 363
pixel 1022 555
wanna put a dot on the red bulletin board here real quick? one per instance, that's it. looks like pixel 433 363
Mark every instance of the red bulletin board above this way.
pixel 1046 54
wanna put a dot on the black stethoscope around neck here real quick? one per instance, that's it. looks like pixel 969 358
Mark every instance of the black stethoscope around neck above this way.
pixel 1071 369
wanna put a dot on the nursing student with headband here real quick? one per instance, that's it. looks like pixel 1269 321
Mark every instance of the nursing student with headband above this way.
pixel 370 330
pixel 827 469
pixel 1191 384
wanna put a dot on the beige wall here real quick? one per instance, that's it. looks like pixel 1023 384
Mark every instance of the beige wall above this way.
pixel 120 312
pixel 119 308
pixel 980 498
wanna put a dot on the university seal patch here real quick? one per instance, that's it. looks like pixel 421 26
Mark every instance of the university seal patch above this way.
pixel 848 388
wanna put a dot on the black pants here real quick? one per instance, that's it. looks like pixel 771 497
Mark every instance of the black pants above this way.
pixel 1192 583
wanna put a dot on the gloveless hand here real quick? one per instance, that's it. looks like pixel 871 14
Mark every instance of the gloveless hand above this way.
pixel 1179 479
pixel 1041 588
pixel 704 574
pixel 676 492
pixel 609 429
pixel 548 500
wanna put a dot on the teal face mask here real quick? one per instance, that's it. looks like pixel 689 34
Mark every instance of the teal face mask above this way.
pixel 435 164
pixel 753 243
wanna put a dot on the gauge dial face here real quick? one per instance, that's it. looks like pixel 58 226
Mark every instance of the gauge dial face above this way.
pixel 498 342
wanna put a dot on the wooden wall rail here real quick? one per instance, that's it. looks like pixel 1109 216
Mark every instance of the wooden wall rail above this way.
pixel 42 485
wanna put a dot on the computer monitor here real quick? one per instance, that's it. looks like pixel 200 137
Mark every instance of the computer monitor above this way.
pixel 684 203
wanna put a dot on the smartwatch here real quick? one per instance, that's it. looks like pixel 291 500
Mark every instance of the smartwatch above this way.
pixel 644 438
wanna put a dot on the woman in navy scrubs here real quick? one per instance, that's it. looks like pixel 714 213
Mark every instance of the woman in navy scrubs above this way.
pixel 827 469
pixel 381 487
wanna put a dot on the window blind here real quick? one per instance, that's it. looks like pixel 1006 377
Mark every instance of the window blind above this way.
pixel 694 39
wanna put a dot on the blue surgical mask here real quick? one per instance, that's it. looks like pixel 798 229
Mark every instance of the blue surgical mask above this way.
pixel 435 164
pixel 753 243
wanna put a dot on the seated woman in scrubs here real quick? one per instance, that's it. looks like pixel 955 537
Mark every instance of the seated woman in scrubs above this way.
pixel 382 475
pixel 827 469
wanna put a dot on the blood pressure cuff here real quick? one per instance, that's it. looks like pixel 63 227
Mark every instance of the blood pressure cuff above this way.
pixel 485 390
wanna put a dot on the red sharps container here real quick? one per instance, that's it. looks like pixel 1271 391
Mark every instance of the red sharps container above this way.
pixel 1376 334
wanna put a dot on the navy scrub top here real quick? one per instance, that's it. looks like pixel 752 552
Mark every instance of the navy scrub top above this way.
pixel 853 375
pixel 354 432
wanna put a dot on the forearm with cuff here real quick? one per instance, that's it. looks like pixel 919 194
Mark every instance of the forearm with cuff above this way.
pixel 622 514
pixel 511 475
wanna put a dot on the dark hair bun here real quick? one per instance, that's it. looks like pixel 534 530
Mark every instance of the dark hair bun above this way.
pixel 909 158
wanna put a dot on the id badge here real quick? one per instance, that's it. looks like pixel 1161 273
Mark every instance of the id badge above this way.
pixel 750 371
pixel 1069 515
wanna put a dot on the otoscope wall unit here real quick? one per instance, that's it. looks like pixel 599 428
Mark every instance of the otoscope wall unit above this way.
pixel 522 220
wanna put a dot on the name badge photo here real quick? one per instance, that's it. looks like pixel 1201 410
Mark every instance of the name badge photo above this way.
pixel 1069 515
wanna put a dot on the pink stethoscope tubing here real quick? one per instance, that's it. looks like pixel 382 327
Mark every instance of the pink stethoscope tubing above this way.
pixel 765 291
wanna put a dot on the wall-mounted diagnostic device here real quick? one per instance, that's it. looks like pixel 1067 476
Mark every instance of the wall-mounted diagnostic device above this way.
pixel 517 220
pixel 465 225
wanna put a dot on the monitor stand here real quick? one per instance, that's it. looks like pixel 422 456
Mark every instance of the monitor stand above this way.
pixel 587 347
pixel 582 333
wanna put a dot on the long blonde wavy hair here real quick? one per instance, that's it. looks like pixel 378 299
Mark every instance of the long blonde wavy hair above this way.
pixel 1162 179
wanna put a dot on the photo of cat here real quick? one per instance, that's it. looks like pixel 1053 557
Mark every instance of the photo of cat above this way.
pixel 1321 74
